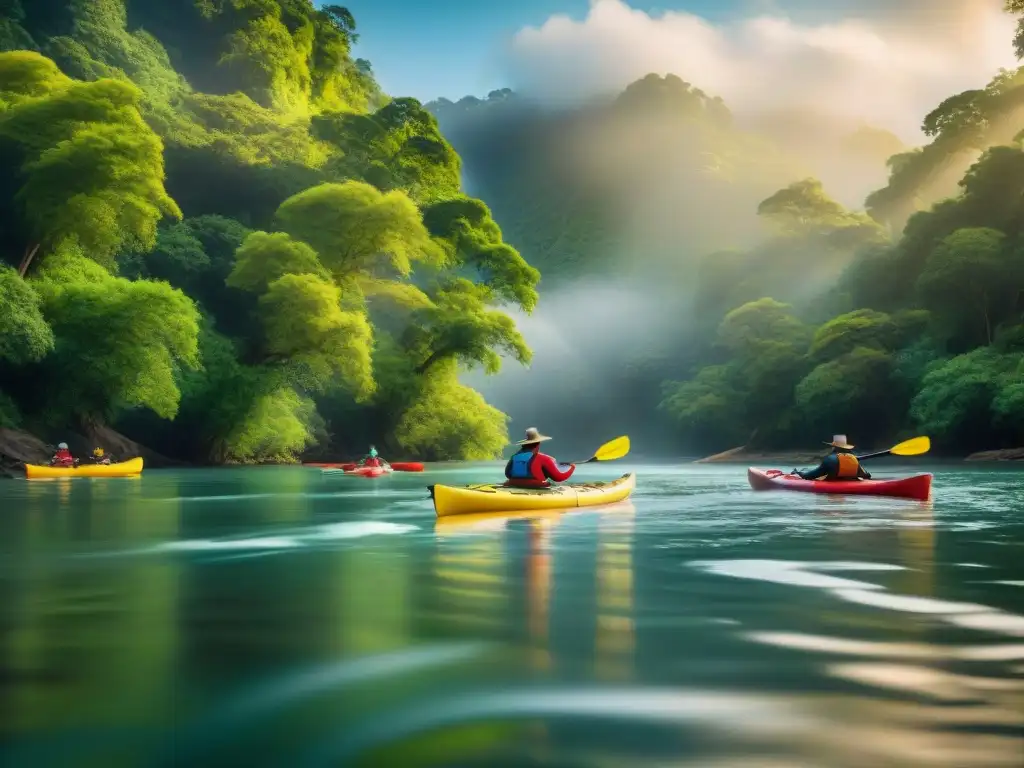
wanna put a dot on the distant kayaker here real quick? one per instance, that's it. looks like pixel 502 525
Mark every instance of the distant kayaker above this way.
pixel 99 456
pixel 529 468
pixel 372 459
pixel 838 465
pixel 63 457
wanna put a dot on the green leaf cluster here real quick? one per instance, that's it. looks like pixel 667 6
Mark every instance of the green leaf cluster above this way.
pixel 222 238
pixel 930 341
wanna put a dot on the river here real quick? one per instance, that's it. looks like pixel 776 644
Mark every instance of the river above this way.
pixel 274 616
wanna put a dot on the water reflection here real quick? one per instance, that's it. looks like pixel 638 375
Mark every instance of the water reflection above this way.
pixel 470 573
pixel 71 632
pixel 917 538
pixel 538 589
pixel 614 643
pixel 373 600
pixel 267 618
pixel 497 537
pixel 472 562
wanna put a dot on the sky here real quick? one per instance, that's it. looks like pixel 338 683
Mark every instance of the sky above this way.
pixel 454 48
pixel 887 62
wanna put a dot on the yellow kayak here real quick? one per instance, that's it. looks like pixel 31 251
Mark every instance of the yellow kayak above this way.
pixel 129 468
pixel 498 498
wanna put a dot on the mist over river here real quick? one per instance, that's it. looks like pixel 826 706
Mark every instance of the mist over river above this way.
pixel 284 616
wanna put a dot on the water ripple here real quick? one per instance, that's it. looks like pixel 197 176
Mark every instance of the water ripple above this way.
pixel 965 615
pixel 732 713
pixel 246 709
pixel 284 542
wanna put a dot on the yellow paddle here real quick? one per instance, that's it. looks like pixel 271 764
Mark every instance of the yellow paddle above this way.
pixel 913 447
pixel 610 451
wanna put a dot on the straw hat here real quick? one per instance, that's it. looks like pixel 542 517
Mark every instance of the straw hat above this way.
pixel 839 441
pixel 532 436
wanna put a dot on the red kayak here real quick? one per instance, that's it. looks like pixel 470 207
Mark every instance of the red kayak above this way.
pixel 368 471
pixel 398 466
pixel 917 487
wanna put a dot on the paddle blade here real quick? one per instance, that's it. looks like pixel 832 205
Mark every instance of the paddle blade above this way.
pixel 613 449
pixel 914 447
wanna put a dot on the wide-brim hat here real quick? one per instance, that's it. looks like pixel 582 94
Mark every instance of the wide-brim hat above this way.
pixel 839 441
pixel 533 436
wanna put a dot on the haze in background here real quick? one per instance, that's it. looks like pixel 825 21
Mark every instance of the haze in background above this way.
pixel 810 97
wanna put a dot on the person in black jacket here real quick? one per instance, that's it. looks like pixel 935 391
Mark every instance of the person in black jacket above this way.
pixel 838 465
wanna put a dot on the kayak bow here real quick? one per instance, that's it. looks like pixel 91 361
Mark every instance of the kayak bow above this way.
pixel 498 498
pixel 916 487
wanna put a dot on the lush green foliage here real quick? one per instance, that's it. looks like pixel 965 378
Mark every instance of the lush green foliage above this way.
pixel 357 230
pixel 451 419
pixel 219 235
pixel 398 147
pixel 13 35
pixel 119 343
pixel 24 334
pixel 219 229
pixel 936 348
pixel 791 314
pixel 960 127
pixel 91 171
pixel 929 339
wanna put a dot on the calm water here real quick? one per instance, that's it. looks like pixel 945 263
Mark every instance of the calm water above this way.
pixel 282 616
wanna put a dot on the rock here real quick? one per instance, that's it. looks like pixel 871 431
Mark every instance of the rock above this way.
pixel 731 455
pixel 18 448
pixel 1005 454
pixel 120 447
pixel 742 456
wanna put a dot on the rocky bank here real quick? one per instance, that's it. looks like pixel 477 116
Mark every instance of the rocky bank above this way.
pixel 18 448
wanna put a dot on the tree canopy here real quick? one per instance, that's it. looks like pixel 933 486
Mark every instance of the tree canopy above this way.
pixel 921 332
pixel 219 234
pixel 222 237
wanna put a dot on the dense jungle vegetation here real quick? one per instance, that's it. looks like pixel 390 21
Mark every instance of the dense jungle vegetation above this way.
pixel 901 315
pixel 219 236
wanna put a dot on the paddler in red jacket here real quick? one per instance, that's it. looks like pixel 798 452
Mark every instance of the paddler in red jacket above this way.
pixel 529 468
pixel 372 459
pixel 63 457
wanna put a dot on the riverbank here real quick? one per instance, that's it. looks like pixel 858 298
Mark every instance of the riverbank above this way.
pixel 18 448
pixel 789 459
pixel 1005 454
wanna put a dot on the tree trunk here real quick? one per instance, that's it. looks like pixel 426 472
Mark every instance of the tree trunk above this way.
pixel 434 357
pixel 26 260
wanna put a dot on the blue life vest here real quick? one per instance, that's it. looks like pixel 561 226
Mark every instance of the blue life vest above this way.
pixel 519 466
